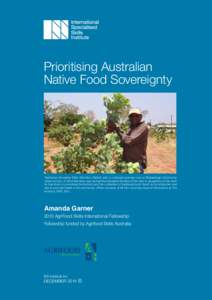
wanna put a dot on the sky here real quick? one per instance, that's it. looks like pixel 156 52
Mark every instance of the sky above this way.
pixel 160 106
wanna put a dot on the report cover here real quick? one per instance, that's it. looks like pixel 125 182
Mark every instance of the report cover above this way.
pixel 103 135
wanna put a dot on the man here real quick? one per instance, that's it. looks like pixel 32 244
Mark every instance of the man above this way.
pixel 135 140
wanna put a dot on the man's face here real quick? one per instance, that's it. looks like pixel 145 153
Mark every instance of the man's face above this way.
pixel 135 119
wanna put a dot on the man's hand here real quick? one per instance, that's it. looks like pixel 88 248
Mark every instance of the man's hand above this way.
pixel 111 126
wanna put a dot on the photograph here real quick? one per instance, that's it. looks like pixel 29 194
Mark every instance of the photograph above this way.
pixel 110 133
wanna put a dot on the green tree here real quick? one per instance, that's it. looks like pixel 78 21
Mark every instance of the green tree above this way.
pixel 117 108
pixel 48 115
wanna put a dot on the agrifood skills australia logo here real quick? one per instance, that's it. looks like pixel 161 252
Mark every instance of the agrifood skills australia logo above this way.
pixel 88 251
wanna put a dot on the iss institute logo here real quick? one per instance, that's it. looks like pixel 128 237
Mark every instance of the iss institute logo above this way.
pixel 55 29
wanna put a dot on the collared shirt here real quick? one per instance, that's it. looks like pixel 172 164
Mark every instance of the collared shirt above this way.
pixel 134 143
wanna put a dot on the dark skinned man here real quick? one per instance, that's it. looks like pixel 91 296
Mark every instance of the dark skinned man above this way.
pixel 134 141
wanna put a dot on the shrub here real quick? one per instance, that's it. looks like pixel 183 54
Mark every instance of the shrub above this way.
pixel 62 134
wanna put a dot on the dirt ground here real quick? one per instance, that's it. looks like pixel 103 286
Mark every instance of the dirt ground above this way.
pixel 51 148
pixel 161 156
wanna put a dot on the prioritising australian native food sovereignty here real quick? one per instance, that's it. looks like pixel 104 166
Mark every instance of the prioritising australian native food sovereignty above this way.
pixel 73 73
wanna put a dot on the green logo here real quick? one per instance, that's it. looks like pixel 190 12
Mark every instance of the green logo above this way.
pixel 90 251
